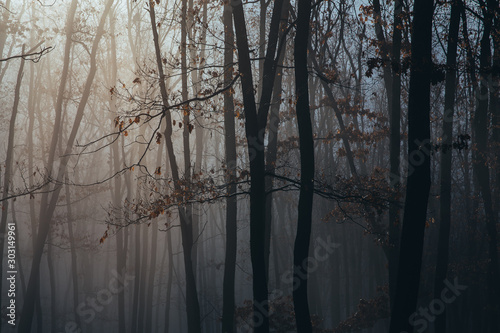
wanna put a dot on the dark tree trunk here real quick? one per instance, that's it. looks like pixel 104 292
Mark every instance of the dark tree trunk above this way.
pixel 272 146
pixel 495 109
pixel 446 159
pixel 481 163
pixel 257 171
pixel 419 178
pixel 255 127
pixel 302 239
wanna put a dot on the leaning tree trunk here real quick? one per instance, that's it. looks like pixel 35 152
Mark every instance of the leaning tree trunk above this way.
pixel 419 177
pixel 192 303
pixel 302 239
pixel 446 158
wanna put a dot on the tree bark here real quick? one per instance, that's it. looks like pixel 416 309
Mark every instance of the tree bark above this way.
pixel 255 128
pixel 419 179
pixel 302 239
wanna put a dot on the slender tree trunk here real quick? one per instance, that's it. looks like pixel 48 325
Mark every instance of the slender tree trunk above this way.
pixel 169 280
pixel 121 254
pixel 74 261
pixel 152 264
pixel 419 179
pixel 228 301
pixel 495 110
pixel 137 280
pixel 302 240
pixel 446 159
pixel 385 49
pixel 470 207
pixel 33 101
pixel 151 280
pixel 272 146
pixel 192 303
pixel 141 322
pixel 52 281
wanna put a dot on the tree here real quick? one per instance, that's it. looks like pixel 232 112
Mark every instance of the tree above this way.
pixel 301 248
pixel 446 159
pixel 228 302
pixel 192 304
pixel 419 177
pixel 255 127
pixel 480 164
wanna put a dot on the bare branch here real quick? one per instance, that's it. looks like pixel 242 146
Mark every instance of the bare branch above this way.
pixel 31 55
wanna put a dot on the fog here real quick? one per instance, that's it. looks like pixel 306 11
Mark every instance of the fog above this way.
pixel 257 166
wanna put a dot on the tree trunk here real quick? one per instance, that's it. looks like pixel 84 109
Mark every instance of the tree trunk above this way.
pixel 151 280
pixel 481 169
pixel 419 178
pixel 52 281
pixel 272 146
pixel 302 239
pixel 144 243
pixel 228 302
pixel 255 128
pixel 74 261
pixel 192 303
pixel 121 254
pixel 446 159
pixel 137 280
pixel 169 280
